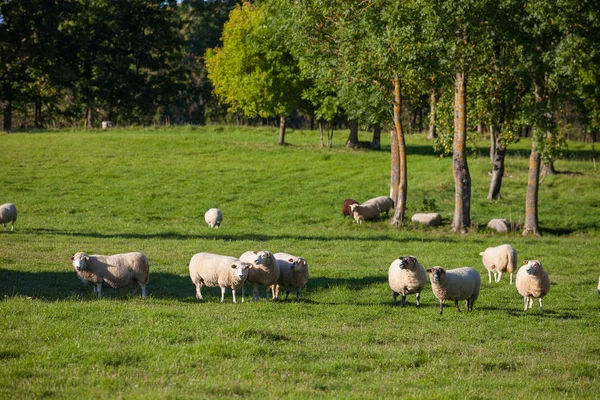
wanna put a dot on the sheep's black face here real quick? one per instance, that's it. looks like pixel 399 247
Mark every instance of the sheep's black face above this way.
pixel 437 274
pixel 405 262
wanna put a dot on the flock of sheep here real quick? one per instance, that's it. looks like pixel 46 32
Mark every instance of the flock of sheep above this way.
pixel 289 272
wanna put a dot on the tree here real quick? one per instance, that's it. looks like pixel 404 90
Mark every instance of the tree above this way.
pixel 253 71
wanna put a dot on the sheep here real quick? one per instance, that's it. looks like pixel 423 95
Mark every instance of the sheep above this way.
pixel 264 271
pixel 213 217
pixel 499 259
pixel 207 269
pixel 293 274
pixel 455 284
pixel 346 206
pixel 117 271
pixel 532 282
pixel 383 203
pixel 8 213
pixel 362 212
pixel 407 276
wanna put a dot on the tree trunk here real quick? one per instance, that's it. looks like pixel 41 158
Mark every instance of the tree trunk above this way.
pixel 593 135
pixel 321 133
pixel 400 201
pixel 432 114
pixel 281 130
pixel 493 140
pixel 353 138
pixel 376 142
pixel 38 121
pixel 531 226
pixel 7 111
pixel 460 167
pixel 395 167
pixel 497 165
pixel 89 117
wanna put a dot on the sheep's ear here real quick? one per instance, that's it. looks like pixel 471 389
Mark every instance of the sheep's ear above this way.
pixel 233 266
pixel 72 258
pixel 86 258
pixel 428 270
pixel 525 262
pixel 291 260
pixel 255 252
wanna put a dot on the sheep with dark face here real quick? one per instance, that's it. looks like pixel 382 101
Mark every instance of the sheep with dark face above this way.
pixel 346 206
pixel 532 282
pixel 455 284
pixel 117 271
pixel 407 276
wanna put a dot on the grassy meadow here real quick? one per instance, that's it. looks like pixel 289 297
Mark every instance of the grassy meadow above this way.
pixel 107 192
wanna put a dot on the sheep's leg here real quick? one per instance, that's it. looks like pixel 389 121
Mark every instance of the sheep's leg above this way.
pixel 511 274
pixel 441 306
pixel 490 275
pixel 499 276
pixel 530 302
pixel 275 291
pixel 395 295
pixel 223 294
pixel 143 287
pixel 287 293
pixel 243 293
pixel 403 303
pixel 99 289
pixel 255 296
pixel 297 295
pixel 267 293
pixel 233 293
pixel 541 308
pixel 457 306
pixel 199 290
pixel 418 299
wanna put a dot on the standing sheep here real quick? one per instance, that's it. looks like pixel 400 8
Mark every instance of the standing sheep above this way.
pixel 8 213
pixel 346 206
pixel 532 283
pixel 213 217
pixel 293 274
pixel 264 271
pixel 362 212
pixel 117 271
pixel 383 203
pixel 499 259
pixel 207 269
pixel 407 276
pixel 455 284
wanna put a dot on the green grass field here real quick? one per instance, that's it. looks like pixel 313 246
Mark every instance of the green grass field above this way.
pixel 107 192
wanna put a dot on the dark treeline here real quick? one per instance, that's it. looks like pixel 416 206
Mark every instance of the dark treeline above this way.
pixel 78 62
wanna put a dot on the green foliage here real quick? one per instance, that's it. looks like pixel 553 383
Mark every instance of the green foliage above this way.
pixel 147 190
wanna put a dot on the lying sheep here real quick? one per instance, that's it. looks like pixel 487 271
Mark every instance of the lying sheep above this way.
pixel 293 274
pixel 346 206
pixel 8 213
pixel 407 276
pixel 117 271
pixel 383 203
pixel 532 282
pixel 362 212
pixel 455 284
pixel 213 217
pixel 207 269
pixel 264 271
pixel 499 259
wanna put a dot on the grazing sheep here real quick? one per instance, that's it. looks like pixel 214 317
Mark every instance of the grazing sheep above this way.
pixel 117 271
pixel 293 274
pixel 532 282
pixel 213 217
pixel 207 269
pixel 8 213
pixel 383 203
pixel 346 206
pixel 264 271
pixel 407 276
pixel 455 284
pixel 362 212
pixel 499 259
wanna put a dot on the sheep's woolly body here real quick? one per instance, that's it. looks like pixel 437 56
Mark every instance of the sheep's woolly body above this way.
pixel 264 271
pixel 213 217
pixel 293 274
pixel 499 259
pixel 346 206
pixel 362 212
pixel 117 271
pixel 455 284
pixel 407 276
pixel 383 203
pixel 8 214
pixel 207 269
pixel 532 282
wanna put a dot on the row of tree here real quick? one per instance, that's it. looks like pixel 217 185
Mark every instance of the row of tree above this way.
pixel 506 64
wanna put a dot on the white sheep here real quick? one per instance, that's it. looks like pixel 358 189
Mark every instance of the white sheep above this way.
pixel 532 282
pixel 455 284
pixel 293 274
pixel 264 271
pixel 499 259
pixel 362 212
pixel 407 276
pixel 8 213
pixel 213 217
pixel 117 271
pixel 383 203
pixel 207 269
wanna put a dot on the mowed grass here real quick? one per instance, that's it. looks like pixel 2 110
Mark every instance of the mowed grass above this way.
pixel 107 192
